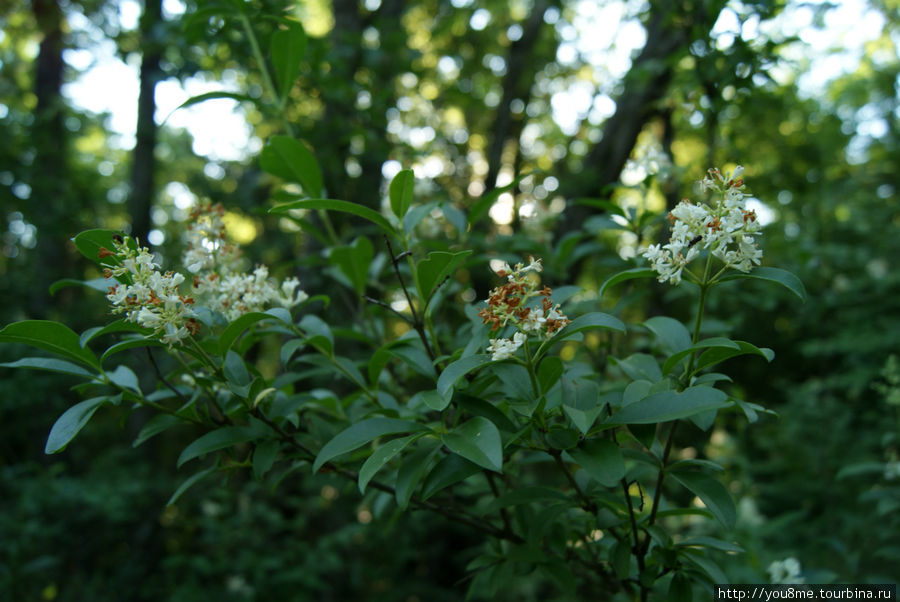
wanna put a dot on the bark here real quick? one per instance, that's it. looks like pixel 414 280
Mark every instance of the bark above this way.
pixel 516 84
pixel 669 31
pixel 143 167
pixel 48 190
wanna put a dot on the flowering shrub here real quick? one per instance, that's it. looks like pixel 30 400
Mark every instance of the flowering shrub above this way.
pixel 561 456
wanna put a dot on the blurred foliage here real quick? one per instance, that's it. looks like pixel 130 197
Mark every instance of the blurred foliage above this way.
pixel 393 84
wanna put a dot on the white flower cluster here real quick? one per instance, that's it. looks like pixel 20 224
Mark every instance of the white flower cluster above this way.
pixel 152 299
pixel 509 304
pixel 503 349
pixel 219 282
pixel 785 571
pixel 726 229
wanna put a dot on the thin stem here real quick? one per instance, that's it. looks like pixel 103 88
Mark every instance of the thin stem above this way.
pixel 264 69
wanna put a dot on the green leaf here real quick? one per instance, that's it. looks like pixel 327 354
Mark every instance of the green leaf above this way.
pixel 97 284
pixel 523 495
pixel 401 192
pixel 434 400
pixel 188 483
pixel 289 159
pixel 712 493
pixel 129 344
pixel 549 372
pixel 90 242
pixel 318 334
pixel 124 377
pixel 49 364
pixel 626 275
pixel 361 433
pixel 776 275
pixel 711 542
pixel 411 472
pixel 222 438
pixel 264 457
pixel 335 205
pixel 590 321
pixel 479 407
pixel 640 366
pixel 155 426
pixel 432 270
pixel 457 370
pixel 670 405
pixel 49 336
pixel 714 342
pixel 381 456
pixel 217 95
pixel 450 470
pixel 354 261
pixel 477 440
pixel 71 422
pixel 601 459
pixel 680 589
pixel 670 332
pixel 709 568
pixel 715 355
pixel 237 327
pixel 287 49
pixel 234 369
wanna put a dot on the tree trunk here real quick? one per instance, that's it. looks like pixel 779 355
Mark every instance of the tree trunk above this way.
pixel 143 167
pixel 515 85
pixel 48 190
pixel 669 32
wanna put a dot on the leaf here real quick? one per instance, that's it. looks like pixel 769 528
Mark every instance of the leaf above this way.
pixel 264 457
pixel 590 321
pixel 237 327
pixel 479 407
pixel 477 440
pixel 711 542
pixel 411 472
pixel 626 275
pixel 434 400
pixel 49 336
pixel 670 332
pixel 188 483
pixel 457 370
pixel 670 405
pixel 49 364
pixel 361 433
pixel 97 284
pixel 335 205
pixel 719 354
pixel 523 495
pixel 381 456
pixel 712 493
pixel 124 377
pixel 90 242
pixel 354 261
pixel 318 334
pixel 216 95
pixel 680 589
pixel 129 344
pixel 401 192
pixel 776 275
pixel 640 366
pixel 601 459
pixel 155 426
pixel 289 159
pixel 432 270
pixel 450 470
pixel 287 48
pixel 71 422
pixel 549 372
pixel 234 369
pixel 710 343
pixel 222 438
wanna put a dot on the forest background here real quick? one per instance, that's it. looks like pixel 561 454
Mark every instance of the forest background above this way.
pixel 471 95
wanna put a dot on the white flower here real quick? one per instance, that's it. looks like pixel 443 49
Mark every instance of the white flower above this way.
pixel 503 349
pixel 785 571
